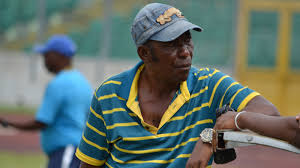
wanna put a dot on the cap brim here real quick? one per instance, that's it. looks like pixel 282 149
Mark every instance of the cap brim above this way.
pixel 41 49
pixel 173 31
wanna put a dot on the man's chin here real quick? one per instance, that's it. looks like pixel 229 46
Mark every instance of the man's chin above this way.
pixel 51 71
pixel 183 78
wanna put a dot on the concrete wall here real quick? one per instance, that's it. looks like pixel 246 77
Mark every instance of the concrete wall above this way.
pixel 23 78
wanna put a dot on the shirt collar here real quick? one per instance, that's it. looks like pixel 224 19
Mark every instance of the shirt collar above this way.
pixel 133 104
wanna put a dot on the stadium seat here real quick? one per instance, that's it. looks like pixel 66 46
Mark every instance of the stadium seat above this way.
pixel 91 42
pixel 8 14
pixel 27 10
pixel 121 38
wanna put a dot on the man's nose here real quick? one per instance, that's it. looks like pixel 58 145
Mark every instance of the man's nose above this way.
pixel 184 51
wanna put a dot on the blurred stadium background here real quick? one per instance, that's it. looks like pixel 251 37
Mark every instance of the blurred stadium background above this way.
pixel 255 41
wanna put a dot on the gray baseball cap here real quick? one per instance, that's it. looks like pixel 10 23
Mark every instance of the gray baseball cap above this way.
pixel 159 22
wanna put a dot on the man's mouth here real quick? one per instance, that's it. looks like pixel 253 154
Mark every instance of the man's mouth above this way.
pixel 183 67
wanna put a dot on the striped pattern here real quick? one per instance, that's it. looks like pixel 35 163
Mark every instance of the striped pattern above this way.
pixel 116 132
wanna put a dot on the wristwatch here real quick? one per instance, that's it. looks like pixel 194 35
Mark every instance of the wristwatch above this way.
pixel 207 135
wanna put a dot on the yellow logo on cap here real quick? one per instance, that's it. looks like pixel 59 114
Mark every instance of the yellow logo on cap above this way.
pixel 166 17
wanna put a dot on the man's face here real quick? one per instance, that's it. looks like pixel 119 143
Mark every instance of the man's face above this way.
pixel 172 60
pixel 51 61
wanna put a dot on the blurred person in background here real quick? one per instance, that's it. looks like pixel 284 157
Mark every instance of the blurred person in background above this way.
pixel 153 114
pixel 65 105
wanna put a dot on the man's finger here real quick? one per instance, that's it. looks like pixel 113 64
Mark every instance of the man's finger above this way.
pixel 298 120
pixel 4 124
pixel 203 165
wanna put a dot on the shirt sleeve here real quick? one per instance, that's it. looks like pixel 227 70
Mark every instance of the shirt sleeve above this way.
pixel 50 105
pixel 93 148
pixel 225 90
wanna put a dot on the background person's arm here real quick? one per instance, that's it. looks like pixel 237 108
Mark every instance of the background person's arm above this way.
pixel 29 125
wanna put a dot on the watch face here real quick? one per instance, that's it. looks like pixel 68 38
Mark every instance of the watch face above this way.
pixel 206 135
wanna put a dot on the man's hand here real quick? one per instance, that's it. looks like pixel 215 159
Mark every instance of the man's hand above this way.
pixel 298 119
pixel 85 165
pixel 200 156
pixel 3 123
pixel 226 121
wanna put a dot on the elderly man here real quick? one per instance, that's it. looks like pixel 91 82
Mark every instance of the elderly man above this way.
pixel 153 115
pixel 64 108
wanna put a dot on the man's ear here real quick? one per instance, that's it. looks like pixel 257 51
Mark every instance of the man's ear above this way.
pixel 144 53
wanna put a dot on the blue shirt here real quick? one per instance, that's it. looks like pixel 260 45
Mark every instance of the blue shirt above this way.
pixel 117 136
pixel 64 110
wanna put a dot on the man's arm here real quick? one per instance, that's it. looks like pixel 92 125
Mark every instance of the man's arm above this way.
pixel 200 155
pixel 284 128
pixel 267 123
pixel 29 125
pixel 261 105
pixel 237 95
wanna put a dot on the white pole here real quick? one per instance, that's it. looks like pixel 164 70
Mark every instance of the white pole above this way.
pixel 40 37
pixel 106 35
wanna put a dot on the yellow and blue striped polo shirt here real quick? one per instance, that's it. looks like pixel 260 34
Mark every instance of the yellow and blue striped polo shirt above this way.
pixel 117 136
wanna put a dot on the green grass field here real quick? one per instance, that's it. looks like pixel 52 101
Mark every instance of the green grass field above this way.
pixel 17 109
pixel 22 160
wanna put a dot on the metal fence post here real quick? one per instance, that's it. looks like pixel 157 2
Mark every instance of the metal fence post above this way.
pixel 106 36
